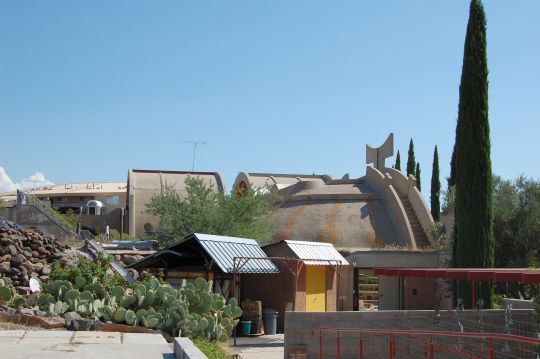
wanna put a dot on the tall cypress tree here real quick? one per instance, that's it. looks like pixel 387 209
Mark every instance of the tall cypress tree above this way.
pixel 473 231
pixel 418 177
pixel 397 165
pixel 452 178
pixel 435 188
pixel 411 162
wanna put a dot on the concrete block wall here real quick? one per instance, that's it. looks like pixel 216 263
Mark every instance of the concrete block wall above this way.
pixel 112 219
pixel 185 349
pixel 302 329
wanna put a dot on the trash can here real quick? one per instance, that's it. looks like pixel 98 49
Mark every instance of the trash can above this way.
pixel 255 326
pixel 270 320
pixel 245 327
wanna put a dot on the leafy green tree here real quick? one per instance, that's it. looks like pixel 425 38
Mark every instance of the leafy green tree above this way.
pixel 411 162
pixel 474 245
pixel 516 213
pixel 207 211
pixel 435 188
pixel 516 227
pixel 397 165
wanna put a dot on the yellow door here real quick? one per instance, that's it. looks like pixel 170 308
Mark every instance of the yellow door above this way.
pixel 315 288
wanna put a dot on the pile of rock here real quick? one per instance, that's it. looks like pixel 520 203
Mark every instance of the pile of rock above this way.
pixel 25 253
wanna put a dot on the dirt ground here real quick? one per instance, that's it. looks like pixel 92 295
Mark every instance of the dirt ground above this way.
pixel 4 325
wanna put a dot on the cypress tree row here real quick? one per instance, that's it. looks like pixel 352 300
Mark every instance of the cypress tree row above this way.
pixel 474 245
pixel 435 188
pixel 418 177
pixel 397 165
pixel 411 162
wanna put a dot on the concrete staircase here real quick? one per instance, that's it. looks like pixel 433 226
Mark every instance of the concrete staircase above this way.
pixel 418 232
pixel 90 241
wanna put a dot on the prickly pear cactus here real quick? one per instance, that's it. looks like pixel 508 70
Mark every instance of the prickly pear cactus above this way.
pixel 58 307
pixel 131 317
pixel 119 315
pixel 44 301
pixel 5 293
pixel 193 310
pixel 17 301
pixel 80 282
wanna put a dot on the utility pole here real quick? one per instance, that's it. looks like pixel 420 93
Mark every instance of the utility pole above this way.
pixel 195 143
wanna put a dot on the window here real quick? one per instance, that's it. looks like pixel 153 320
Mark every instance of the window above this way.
pixel 113 200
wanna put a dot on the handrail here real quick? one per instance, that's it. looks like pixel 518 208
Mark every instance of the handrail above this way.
pixel 49 212
pixel 67 227
pixel 114 264
pixel 428 339
pixel 406 332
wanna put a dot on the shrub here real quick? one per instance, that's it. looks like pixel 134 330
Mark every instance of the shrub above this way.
pixel 213 350
pixel 88 269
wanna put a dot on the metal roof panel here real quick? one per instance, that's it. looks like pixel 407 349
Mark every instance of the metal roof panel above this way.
pixel 316 253
pixel 224 249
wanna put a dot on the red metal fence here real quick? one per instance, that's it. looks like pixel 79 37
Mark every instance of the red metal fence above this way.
pixel 342 343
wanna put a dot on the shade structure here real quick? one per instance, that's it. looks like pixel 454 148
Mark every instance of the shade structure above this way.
pixel 206 248
pixel 501 275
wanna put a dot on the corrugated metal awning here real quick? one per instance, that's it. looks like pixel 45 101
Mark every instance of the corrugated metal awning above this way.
pixel 224 249
pixel 221 250
pixel 316 253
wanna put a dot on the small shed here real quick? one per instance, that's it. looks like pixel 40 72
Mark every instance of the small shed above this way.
pixel 208 256
pixel 308 279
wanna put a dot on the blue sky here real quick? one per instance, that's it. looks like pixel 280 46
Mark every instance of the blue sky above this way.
pixel 90 89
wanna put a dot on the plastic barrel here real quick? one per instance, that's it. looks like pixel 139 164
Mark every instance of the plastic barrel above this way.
pixel 245 327
pixel 254 327
pixel 270 320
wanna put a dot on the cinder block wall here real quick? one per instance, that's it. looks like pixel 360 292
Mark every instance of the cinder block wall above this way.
pixel 302 329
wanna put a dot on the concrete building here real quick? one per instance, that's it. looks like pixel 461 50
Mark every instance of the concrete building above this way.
pixel 122 205
pixel 377 220
pixel 74 196
pixel 275 180
pixel 145 184
pixel 96 205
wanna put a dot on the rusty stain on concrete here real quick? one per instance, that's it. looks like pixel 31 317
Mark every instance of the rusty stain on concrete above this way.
pixel 285 233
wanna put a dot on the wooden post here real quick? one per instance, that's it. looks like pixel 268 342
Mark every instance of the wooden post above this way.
pixel 474 294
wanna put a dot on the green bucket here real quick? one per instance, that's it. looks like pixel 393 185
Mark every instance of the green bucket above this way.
pixel 245 327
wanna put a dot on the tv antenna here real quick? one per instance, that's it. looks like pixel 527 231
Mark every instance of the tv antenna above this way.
pixel 35 181
pixel 195 143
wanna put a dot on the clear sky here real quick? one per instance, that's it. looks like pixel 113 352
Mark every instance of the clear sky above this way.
pixel 89 89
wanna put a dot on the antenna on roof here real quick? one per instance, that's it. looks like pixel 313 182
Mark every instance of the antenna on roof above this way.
pixel 35 181
pixel 195 143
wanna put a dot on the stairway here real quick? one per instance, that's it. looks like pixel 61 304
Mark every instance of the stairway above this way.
pixel 90 241
pixel 49 212
pixel 418 232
